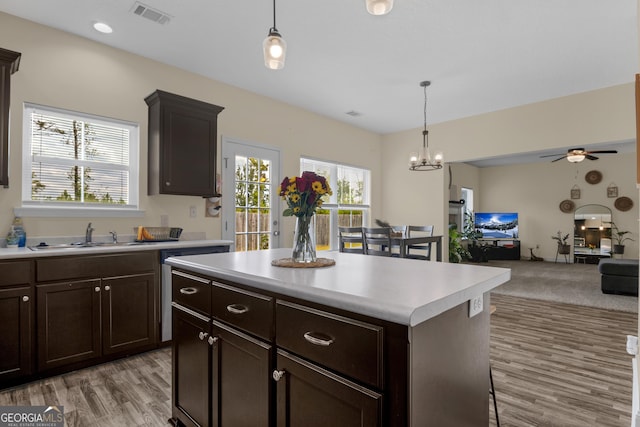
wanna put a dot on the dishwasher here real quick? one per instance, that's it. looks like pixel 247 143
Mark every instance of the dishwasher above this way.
pixel 165 278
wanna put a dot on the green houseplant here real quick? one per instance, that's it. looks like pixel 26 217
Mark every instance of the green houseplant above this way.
pixel 457 253
pixel 619 237
pixel 563 243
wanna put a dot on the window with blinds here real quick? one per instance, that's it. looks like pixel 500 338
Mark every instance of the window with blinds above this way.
pixel 76 159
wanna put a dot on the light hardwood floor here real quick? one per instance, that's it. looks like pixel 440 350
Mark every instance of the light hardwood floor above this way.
pixel 553 364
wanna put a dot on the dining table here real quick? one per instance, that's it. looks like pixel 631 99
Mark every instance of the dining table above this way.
pixel 403 243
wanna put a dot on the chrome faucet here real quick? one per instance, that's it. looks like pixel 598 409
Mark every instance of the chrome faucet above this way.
pixel 87 236
pixel 114 236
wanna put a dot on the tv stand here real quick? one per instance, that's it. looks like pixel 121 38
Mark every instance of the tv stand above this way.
pixel 501 249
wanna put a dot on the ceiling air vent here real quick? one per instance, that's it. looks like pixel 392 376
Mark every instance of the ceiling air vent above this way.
pixel 151 14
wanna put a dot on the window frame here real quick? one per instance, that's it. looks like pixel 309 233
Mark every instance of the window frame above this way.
pixel 333 205
pixel 45 208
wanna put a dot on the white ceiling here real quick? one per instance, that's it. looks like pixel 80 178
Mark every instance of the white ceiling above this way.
pixel 481 56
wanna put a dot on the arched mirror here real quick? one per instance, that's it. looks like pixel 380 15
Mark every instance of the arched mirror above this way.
pixel 592 230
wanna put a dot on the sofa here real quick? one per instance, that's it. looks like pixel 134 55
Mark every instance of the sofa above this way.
pixel 619 276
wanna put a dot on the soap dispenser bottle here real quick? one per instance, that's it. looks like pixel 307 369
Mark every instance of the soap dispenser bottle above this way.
pixel 18 228
pixel 12 238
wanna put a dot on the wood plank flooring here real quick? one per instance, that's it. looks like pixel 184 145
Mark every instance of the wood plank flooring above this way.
pixel 135 391
pixel 560 365
pixel 554 365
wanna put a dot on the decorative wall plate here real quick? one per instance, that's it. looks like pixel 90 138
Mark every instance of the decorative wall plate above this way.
pixel 593 177
pixel 567 206
pixel 623 203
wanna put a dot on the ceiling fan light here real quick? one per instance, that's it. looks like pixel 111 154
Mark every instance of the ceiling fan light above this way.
pixel 575 158
pixel 275 50
pixel 379 7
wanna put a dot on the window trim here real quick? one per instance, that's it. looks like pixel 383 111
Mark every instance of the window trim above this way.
pixel 39 208
pixel 334 206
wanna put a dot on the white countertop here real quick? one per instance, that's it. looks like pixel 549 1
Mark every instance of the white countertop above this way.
pixel 6 253
pixel 403 291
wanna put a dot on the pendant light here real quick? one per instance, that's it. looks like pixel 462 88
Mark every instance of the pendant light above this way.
pixel 275 48
pixel 379 7
pixel 424 161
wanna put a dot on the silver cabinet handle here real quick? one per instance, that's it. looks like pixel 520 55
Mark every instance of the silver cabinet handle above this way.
pixel 237 308
pixel 212 340
pixel 277 375
pixel 97 289
pixel 324 340
pixel 25 298
pixel 107 288
pixel 202 335
pixel 188 291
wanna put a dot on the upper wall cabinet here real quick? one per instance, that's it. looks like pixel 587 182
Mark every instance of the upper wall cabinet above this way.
pixel 9 63
pixel 182 145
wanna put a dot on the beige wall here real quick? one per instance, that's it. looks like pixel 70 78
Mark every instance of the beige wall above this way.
pixel 62 70
pixel 535 191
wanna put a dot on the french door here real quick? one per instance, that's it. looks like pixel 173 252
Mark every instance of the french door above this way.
pixel 250 200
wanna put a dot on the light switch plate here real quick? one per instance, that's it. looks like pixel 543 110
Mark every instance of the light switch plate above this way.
pixel 475 305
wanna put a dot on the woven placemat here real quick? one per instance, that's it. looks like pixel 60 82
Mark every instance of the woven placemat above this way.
pixel 289 262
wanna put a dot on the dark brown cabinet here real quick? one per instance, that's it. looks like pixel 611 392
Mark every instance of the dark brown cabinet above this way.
pixel 16 320
pixel 127 313
pixel 9 63
pixel 182 148
pixel 221 375
pixel 96 307
pixel 328 369
pixel 310 396
pixel 68 323
pixel 87 319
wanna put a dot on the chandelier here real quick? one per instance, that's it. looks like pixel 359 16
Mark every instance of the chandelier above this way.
pixel 424 161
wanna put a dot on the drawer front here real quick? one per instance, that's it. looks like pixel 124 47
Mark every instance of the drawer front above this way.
pixel 245 310
pixel 89 266
pixel 345 345
pixel 191 291
pixel 15 273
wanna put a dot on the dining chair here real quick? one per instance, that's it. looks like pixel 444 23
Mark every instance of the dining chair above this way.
pixel 424 248
pixel 377 241
pixel 350 240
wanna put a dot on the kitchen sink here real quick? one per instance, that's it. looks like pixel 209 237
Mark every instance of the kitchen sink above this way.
pixel 77 245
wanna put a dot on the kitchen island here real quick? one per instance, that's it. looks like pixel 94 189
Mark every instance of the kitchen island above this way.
pixel 370 341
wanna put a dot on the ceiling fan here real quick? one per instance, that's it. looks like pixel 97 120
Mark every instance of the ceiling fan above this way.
pixel 575 155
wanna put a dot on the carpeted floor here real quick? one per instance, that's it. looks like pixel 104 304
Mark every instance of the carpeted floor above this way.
pixel 577 284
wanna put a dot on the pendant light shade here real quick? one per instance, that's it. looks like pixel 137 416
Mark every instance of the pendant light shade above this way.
pixel 424 160
pixel 274 46
pixel 379 7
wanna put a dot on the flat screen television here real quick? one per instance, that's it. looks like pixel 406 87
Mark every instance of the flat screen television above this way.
pixel 497 225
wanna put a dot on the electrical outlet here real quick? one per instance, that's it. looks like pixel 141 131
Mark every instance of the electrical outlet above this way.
pixel 164 220
pixel 193 212
pixel 475 305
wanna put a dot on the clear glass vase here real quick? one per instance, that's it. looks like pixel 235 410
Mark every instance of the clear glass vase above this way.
pixel 304 239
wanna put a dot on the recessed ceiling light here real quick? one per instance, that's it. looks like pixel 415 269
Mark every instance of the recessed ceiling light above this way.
pixel 102 27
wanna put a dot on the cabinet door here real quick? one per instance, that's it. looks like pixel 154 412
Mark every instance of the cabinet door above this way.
pixel 68 322
pixel 190 362
pixel 309 396
pixel 128 315
pixel 240 379
pixel 15 332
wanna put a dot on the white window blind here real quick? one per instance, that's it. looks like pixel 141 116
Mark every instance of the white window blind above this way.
pixel 78 160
